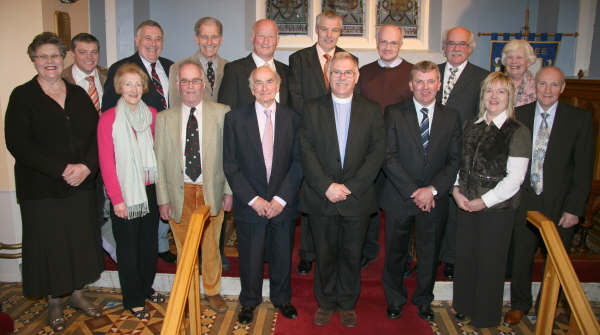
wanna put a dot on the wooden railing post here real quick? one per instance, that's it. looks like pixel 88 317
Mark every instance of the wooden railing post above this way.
pixel 187 283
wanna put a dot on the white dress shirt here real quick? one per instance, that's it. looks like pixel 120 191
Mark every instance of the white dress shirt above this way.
pixel 80 79
pixel 430 111
pixel 185 114
pixel 537 120
pixel 162 75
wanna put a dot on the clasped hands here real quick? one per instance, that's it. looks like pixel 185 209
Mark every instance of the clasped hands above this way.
pixel 267 209
pixel 337 192
pixel 465 204
pixel 423 198
pixel 75 174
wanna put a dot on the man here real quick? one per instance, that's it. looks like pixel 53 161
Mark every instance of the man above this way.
pixel 262 163
pixel 558 183
pixel 189 155
pixel 461 83
pixel 209 35
pixel 86 73
pixel 343 146
pixel 234 89
pixel 308 80
pixel 422 159
pixel 384 81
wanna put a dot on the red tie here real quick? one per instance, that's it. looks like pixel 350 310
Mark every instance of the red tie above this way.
pixel 93 93
pixel 158 86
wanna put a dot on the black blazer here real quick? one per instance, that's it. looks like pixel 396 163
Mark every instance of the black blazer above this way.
pixel 151 98
pixel 407 165
pixel 365 151
pixel 43 138
pixel 235 91
pixel 244 164
pixel 306 76
pixel 569 161
pixel 464 97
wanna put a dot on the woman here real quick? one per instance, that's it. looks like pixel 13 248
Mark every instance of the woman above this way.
pixel 517 57
pixel 128 165
pixel 496 150
pixel 51 132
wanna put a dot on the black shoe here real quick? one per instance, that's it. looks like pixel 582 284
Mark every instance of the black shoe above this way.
pixel 460 316
pixel 449 271
pixel 246 315
pixel 425 312
pixel 287 310
pixel 304 267
pixel 409 271
pixel 168 257
pixel 394 312
pixel 225 265
pixel 365 261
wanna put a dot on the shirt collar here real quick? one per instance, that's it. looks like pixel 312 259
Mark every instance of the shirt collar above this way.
pixel 260 62
pixel 418 105
pixel 393 64
pixel 341 101
pixel 261 108
pixel 498 120
pixel 551 111
pixel 322 52
pixel 186 109
pixel 79 75
pixel 460 67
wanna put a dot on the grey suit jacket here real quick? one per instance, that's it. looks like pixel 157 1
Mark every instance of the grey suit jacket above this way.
pixel 210 94
pixel 169 157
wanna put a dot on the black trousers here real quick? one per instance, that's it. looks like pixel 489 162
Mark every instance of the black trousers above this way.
pixel 371 246
pixel 307 245
pixel 429 229
pixel 482 242
pixel 448 247
pixel 338 245
pixel 136 251
pixel 526 240
pixel 252 238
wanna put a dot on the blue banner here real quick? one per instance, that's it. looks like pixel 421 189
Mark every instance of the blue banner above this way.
pixel 546 51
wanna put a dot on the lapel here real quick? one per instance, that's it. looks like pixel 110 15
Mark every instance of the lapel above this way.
pixel 174 130
pixel 461 81
pixel 328 119
pixel 208 135
pixel 557 132
pixel 102 73
pixel 437 124
pixel 314 65
pixel 251 123
pixel 68 75
pixel 353 128
pixel 279 135
pixel 412 123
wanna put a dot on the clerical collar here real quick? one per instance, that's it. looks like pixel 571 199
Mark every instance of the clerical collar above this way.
pixel 341 101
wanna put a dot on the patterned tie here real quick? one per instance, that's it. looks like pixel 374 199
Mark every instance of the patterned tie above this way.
pixel 424 127
pixel 210 75
pixel 158 86
pixel 539 153
pixel 449 85
pixel 93 93
pixel 267 144
pixel 193 166
pixel 325 66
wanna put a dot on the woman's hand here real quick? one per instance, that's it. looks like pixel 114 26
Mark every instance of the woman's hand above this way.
pixel 75 174
pixel 120 210
pixel 461 201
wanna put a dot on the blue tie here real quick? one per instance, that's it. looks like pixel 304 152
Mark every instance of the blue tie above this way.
pixel 424 127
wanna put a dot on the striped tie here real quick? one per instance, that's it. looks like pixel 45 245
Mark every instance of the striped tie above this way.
pixel 158 86
pixel 424 127
pixel 93 93
pixel 449 85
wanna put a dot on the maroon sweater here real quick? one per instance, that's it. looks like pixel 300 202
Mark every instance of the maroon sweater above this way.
pixel 385 86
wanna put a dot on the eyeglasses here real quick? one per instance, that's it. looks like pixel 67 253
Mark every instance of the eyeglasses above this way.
pixel 347 73
pixel 47 57
pixel 195 82
pixel 457 44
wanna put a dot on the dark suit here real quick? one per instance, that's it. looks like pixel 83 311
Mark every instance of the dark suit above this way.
pixel 464 98
pixel 235 91
pixel 151 98
pixel 567 177
pixel 339 228
pixel 408 166
pixel 245 170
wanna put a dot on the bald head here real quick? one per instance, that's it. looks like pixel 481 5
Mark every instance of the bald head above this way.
pixel 389 42
pixel 549 84
pixel 265 37
pixel 458 44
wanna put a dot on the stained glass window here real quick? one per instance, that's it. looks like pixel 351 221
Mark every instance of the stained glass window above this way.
pixel 291 16
pixel 403 13
pixel 352 12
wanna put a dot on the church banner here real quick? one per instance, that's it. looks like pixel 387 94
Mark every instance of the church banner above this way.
pixel 546 51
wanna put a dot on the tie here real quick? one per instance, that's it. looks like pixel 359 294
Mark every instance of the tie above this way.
pixel 325 66
pixel 192 148
pixel 449 85
pixel 424 127
pixel 267 144
pixel 210 75
pixel 539 153
pixel 158 86
pixel 93 93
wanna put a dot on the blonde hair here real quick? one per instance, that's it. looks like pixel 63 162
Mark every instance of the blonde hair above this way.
pixel 515 45
pixel 130 68
pixel 506 82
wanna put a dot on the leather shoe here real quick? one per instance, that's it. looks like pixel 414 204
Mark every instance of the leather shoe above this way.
pixel 304 267
pixel 225 265
pixel 449 271
pixel 513 316
pixel 394 312
pixel 217 303
pixel 348 318
pixel 168 257
pixel 460 316
pixel 323 316
pixel 287 310
pixel 246 315
pixel 425 312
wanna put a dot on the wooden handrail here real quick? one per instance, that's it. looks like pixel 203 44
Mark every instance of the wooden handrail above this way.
pixel 5 246
pixel 187 272
pixel 559 272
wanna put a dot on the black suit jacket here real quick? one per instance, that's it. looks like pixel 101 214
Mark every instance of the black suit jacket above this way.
pixel 407 165
pixel 235 91
pixel 306 76
pixel 244 164
pixel 464 97
pixel 365 150
pixel 151 98
pixel 568 164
